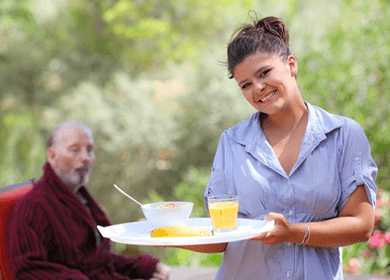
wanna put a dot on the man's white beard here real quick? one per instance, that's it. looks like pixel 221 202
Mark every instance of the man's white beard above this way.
pixel 73 178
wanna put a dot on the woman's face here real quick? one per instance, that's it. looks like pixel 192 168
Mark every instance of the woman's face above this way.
pixel 268 83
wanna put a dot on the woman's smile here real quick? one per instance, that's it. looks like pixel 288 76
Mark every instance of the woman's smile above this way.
pixel 267 98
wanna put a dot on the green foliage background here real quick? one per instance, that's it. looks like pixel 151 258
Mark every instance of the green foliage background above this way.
pixel 149 78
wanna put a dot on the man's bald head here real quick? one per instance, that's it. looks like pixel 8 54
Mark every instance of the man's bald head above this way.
pixel 54 136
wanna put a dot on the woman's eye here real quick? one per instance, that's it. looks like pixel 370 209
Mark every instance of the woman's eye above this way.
pixel 265 73
pixel 75 149
pixel 245 86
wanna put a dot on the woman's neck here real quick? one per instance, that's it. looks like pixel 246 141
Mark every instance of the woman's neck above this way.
pixel 286 119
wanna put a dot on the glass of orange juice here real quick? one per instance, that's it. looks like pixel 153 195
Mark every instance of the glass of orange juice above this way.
pixel 223 210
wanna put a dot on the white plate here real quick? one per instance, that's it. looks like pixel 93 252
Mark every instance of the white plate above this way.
pixel 138 233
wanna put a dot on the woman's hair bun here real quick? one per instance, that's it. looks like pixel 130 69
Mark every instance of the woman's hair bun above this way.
pixel 275 27
pixel 268 35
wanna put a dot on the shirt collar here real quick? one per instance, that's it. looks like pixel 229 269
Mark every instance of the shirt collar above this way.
pixel 323 122
pixel 320 123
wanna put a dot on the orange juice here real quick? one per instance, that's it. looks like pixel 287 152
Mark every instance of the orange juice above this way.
pixel 223 215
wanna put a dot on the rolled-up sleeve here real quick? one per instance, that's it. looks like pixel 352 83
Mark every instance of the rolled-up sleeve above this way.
pixel 356 164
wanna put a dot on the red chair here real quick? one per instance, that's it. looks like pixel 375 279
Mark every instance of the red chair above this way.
pixel 8 196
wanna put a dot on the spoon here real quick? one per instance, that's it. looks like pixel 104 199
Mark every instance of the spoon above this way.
pixel 127 195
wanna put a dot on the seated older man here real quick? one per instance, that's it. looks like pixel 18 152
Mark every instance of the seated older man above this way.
pixel 52 231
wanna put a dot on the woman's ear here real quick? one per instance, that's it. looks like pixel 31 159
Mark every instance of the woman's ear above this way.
pixel 293 64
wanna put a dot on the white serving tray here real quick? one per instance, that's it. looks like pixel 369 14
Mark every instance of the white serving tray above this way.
pixel 138 233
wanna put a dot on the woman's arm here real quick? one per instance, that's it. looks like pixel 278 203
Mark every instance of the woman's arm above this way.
pixel 354 224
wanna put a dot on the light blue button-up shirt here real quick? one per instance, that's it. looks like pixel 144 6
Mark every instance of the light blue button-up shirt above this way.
pixel 334 159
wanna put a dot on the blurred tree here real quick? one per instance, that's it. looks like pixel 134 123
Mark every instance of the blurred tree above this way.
pixel 155 32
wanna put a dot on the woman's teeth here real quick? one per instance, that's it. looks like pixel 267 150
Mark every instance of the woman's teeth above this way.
pixel 268 97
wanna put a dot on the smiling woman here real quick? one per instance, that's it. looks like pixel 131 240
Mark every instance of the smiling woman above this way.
pixel 260 60
pixel 291 162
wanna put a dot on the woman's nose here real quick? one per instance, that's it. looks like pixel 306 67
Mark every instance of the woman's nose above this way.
pixel 258 85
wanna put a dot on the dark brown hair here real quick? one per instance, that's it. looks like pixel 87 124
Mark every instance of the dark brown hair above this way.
pixel 268 35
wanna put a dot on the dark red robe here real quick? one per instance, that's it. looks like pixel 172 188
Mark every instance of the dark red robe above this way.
pixel 52 236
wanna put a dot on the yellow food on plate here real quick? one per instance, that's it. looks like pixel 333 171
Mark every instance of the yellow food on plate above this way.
pixel 179 231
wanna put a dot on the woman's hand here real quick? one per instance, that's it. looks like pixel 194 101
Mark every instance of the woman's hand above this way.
pixel 280 233
pixel 354 224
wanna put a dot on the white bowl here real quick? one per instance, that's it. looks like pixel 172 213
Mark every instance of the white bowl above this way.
pixel 168 216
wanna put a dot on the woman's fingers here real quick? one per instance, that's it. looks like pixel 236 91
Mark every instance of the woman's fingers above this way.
pixel 260 237
pixel 278 233
pixel 273 216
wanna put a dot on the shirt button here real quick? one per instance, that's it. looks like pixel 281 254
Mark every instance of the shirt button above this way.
pixel 290 212
pixel 289 182
pixel 288 274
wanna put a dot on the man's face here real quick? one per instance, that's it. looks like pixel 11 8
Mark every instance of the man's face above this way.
pixel 72 157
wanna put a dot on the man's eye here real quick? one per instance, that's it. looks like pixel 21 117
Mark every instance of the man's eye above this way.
pixel 75 149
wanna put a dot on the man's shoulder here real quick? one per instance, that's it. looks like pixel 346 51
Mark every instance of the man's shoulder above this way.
pixel 29 207
pixel 37 195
